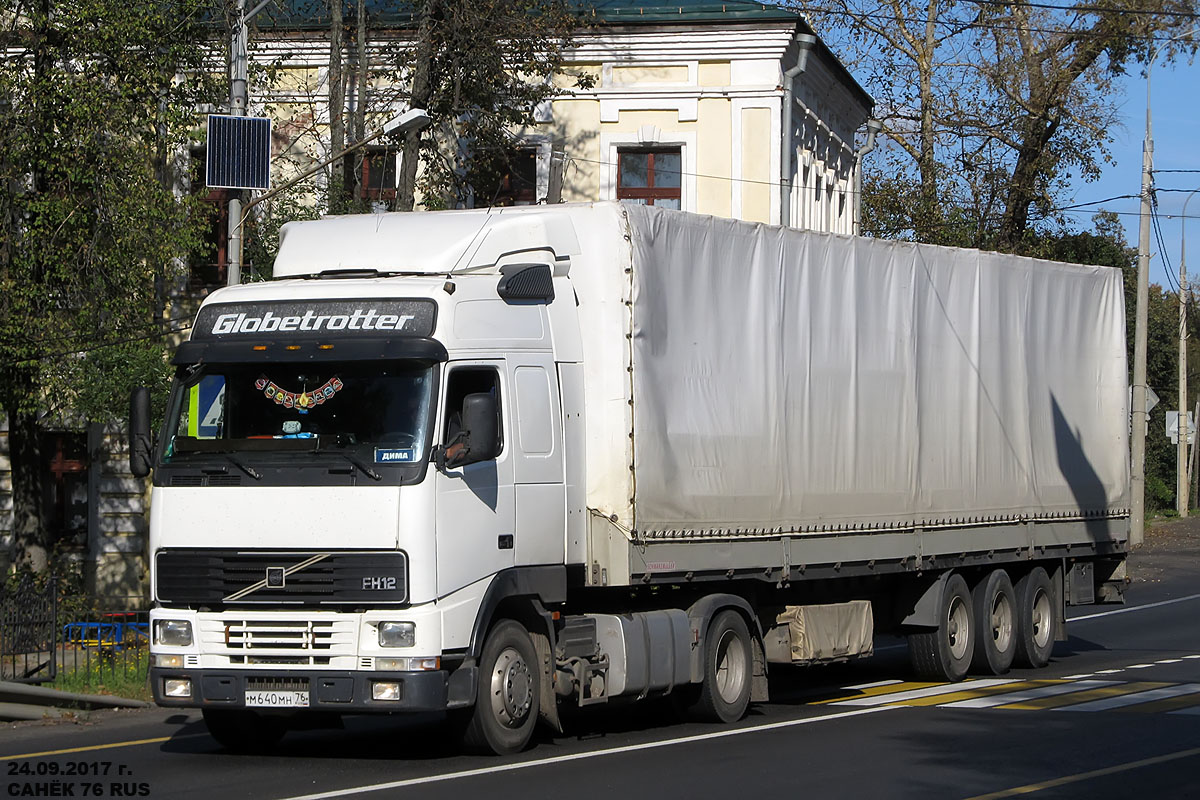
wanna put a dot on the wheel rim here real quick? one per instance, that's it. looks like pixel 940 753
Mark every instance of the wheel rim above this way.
pixel 512 688
pixel 1002 622
pixel 1040 623
pixel 958 626
pixel 731 667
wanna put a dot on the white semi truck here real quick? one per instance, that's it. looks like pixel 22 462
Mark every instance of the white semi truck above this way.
pixel 492 462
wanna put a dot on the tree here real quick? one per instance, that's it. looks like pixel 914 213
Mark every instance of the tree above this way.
pixel 991 107
pixel 92 105
pixel 480 68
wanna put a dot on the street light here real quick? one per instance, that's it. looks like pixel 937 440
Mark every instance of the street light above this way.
pixel 1137 511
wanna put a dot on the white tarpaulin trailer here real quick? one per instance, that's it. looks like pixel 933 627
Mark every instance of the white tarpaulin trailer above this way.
pixel 748 381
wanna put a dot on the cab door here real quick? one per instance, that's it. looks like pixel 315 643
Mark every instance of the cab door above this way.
pixel 475 504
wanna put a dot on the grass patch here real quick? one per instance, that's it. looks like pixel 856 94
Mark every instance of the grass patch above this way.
pixel 127 680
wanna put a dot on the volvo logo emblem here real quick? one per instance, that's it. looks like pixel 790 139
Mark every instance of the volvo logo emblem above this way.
pixel 276 577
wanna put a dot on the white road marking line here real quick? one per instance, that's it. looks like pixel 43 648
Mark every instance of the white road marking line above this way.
pixel 932 691
pixel 1027 694
pixel 1108 671
pixel 1140 666
pixel 871 685
pixel 1127 609
pixel 1169 661
pixel 1077 677
pixel 542 762
pixel 1189 710
pixel 1133 699
pixel 1194 655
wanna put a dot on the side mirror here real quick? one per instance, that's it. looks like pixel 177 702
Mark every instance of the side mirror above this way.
pixel 480 436
pixel 139 432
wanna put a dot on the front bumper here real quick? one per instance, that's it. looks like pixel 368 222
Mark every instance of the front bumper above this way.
pixel 348 692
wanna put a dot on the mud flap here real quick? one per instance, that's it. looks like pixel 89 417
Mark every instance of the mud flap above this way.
pixel 548 708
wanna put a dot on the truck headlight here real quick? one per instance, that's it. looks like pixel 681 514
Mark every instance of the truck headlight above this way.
pixel 397 634
pixel 173 632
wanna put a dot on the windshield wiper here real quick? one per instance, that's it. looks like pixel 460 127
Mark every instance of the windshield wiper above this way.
pixel 358 462
pixel 249 470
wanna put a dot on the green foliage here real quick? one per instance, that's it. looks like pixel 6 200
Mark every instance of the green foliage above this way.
pixel 94 103
pixel 92 230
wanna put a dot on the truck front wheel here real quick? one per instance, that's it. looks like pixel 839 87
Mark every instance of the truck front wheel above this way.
pixel 944 652
pixel 507 703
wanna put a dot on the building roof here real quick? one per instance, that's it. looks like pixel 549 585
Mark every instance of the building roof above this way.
pixel 313 14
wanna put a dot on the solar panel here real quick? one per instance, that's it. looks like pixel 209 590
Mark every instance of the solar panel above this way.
pixel 239 152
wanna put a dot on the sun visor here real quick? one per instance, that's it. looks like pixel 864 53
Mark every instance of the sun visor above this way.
pixel 309 350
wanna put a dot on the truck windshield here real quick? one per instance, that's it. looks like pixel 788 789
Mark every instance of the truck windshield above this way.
pixel 380 410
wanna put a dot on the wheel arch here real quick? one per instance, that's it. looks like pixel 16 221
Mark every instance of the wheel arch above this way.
pixel 700 615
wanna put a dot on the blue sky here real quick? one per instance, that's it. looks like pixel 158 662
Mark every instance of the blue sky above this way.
pixel 1175 116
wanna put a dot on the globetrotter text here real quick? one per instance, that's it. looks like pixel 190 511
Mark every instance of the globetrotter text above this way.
pixel 359 320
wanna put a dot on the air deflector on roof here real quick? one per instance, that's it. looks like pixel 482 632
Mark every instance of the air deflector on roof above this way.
pixel 526 282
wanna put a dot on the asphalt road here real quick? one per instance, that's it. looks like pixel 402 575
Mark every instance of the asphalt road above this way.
pixel 1116 714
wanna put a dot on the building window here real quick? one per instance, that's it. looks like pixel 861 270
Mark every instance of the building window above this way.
pixel 377 173
pixel 650 177
pixel 518 185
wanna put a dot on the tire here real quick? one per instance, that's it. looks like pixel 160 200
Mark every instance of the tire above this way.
pixel 1035 619
pixel 508 697
pixel 724 695
pixel 243 731
pixel 995 605
pixel 944 652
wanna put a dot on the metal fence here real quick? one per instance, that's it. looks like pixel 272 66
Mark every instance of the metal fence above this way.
pixel 28 631
pixel 71 638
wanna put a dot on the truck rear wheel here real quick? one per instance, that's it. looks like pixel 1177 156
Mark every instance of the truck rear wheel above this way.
pixel 995 623
pixel 724 694
pixel 243 731
pixel 1035 619
pixel 944 652
pixel 508 699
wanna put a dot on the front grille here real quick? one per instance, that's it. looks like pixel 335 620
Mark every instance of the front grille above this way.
pixel 288 642
pixel 206 480
pixel 236 577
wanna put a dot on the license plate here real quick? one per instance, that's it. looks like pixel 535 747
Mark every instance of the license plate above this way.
pixel 277 699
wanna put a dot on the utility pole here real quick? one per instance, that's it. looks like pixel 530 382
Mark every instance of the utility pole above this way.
pixel 237 108
pixel 1137 515
pixel 1183 483
pixel 1181 459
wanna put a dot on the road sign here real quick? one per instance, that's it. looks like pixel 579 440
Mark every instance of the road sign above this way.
pixel 1173 427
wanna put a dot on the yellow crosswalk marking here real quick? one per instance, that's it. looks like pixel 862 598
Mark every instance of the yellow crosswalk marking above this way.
pixel 1072 698
pixel 876 691
pixel 971 694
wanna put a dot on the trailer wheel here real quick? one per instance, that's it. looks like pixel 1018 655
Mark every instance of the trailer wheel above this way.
pixel 1035 619
pixel 724 695
pixel 995 606
pixel 507 703
pixel 944 652
pixel 243 731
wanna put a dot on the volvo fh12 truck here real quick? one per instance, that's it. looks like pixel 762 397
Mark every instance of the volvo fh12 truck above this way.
pixel 495 462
